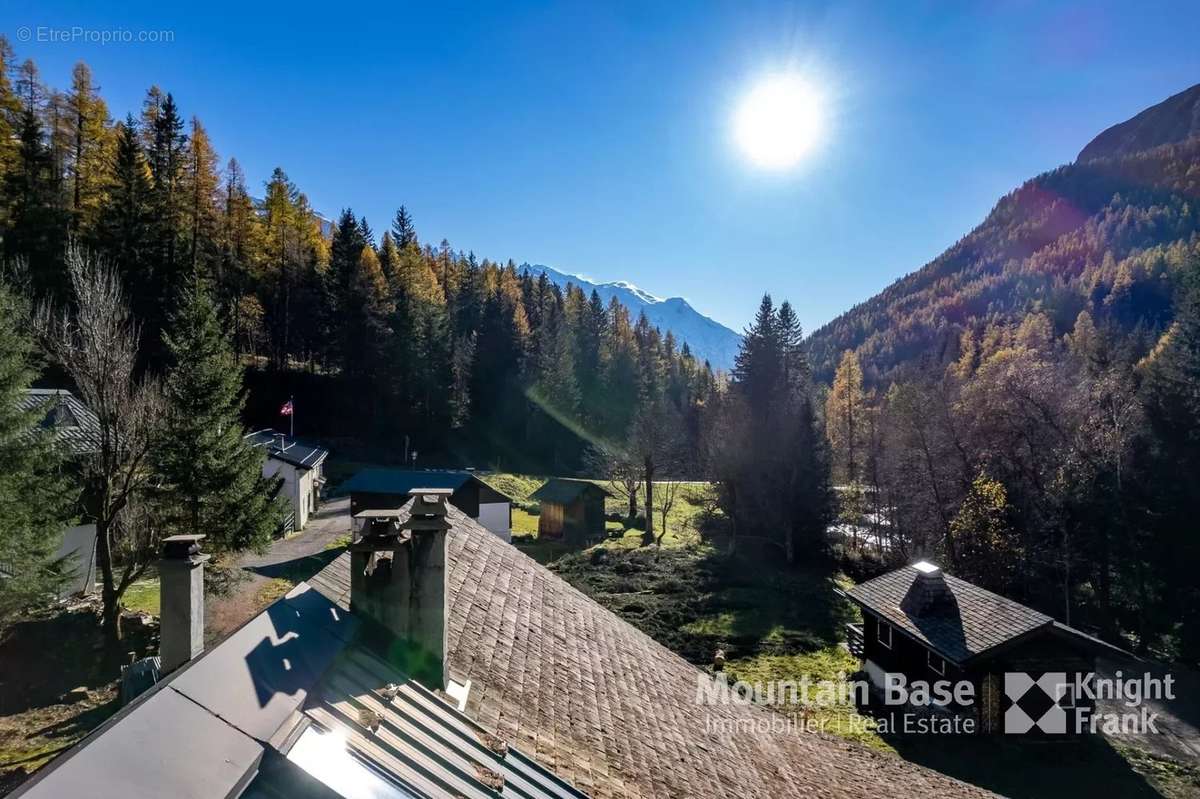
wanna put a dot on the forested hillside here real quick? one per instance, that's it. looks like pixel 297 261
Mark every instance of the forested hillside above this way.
pixel 380 338
pixel 1174 120
pixel 1106 236
pixel 1025 407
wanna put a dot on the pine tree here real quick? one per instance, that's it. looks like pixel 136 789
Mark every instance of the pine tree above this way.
pixel 124 231
pixel 758 364
pixel 213 476
pixel 166 157
pixel 10 113
pixel 34 224
pixel 241 246
pixel 845 419
pixel 201 185
pixel 403 230
pixel 36 499
pixel 90 150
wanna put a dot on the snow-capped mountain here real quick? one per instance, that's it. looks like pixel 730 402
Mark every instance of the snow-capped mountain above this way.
pixel 709 340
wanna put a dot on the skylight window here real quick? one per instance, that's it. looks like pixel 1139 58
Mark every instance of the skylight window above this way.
pixel 325 756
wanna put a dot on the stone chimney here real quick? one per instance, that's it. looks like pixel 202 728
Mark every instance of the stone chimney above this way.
pixel 398 581
pixel 181 582
pixel 928 595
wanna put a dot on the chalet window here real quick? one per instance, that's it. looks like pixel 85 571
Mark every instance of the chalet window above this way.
pixel 885 634
pixel 937 664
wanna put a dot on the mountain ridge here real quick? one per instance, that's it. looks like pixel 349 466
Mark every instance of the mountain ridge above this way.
pixel 1174 120
pixel 1108 234
pixel 707 338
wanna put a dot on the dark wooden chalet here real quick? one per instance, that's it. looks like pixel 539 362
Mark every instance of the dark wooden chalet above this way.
pixel 930 626
pixel 571 510
pixel 388 489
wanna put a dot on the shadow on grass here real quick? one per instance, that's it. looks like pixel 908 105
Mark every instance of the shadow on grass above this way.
pixel 298 569
pixel 42 658
pixel 696 600
pixel 77 726
pixel 1028 769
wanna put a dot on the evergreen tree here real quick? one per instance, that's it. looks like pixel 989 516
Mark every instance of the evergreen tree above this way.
pixel 845 419
pixel 166 157
pixel 201 185
pixel 10 113
pixel 90 151
pixel 36 497
pixel 213 477
pixel 34 222
pixel 403 230
pixel 124 229
pixel 241 246
pixel 1173 409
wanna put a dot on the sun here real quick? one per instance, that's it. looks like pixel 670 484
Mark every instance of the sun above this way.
pixel 778 122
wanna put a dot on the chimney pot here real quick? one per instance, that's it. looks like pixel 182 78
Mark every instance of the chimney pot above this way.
pixel 398 580
pixel 181 581
pixel 928 594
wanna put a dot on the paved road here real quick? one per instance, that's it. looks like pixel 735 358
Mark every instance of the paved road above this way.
pixel 223 614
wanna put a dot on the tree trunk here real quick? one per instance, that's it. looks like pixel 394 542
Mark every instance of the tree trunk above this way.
pixel 110 600
pixel 649 536
pixel 632 502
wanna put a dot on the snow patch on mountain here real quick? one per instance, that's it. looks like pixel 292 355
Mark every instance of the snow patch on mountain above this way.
pixel 708 339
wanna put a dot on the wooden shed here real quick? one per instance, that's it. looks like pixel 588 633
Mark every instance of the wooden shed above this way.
pixel 926 625
pixel 571 510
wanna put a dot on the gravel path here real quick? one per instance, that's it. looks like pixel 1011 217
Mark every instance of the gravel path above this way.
pixel 224 613
pixel 1178 720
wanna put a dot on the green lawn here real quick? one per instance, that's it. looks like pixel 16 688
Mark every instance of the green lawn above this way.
pixel 144 594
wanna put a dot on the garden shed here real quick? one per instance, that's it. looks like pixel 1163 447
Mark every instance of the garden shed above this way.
pixel 571 510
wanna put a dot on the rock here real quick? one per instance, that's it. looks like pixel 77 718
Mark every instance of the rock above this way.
pixel 74 695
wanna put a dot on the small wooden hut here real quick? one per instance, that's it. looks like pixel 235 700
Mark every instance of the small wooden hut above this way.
pixel 571 510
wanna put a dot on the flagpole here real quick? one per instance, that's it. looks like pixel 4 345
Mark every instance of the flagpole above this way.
pixel 292 416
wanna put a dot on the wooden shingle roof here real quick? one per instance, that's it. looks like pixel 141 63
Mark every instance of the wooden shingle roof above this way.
pixel 975 623
pixel 610 710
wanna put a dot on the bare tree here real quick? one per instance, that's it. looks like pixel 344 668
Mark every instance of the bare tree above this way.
pixel 668 493
pixel 622 471
pixel 96 343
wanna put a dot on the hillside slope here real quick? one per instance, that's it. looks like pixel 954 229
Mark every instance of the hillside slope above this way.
pixel 708 339
pixel 1108 235
pixel 1173 120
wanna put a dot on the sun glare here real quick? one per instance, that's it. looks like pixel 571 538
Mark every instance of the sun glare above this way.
pixel 778 122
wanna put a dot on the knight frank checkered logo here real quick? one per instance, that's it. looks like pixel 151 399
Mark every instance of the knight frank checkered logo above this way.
pixel 1037 704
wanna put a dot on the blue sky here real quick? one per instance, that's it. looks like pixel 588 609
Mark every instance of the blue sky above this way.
pixel 595 137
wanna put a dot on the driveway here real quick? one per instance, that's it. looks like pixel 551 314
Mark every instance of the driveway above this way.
pixel 289 559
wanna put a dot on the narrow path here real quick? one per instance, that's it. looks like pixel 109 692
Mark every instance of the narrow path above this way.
pixel 222 614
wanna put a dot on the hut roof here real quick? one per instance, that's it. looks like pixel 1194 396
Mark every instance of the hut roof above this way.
pixel 564 491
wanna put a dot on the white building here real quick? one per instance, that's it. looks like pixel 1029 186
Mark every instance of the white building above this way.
pixel 300 466
pixel 79 430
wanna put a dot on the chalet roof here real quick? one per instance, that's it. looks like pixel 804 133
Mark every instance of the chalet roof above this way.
pixel 610 710
pixel 981 621
pixel 287 449
pixel 286 685
pixel 402 481
pixel 74 423
pixel 564 491
pixel 566 700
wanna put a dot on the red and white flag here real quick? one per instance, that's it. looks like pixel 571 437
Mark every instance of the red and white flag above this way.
pixel 287 409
